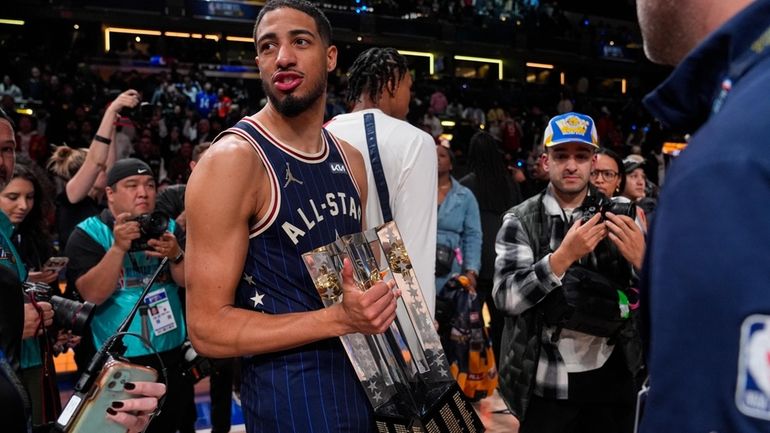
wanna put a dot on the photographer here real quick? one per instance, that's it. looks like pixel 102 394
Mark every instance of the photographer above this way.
pixel 100 155
pixel 112 256
pixel 563 275
pixel 19 320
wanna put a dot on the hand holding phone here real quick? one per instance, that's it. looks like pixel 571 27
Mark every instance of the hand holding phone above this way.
pixel 55 264
pixel 87 412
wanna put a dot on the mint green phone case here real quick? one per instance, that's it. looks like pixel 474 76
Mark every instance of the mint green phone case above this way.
pixel 92 417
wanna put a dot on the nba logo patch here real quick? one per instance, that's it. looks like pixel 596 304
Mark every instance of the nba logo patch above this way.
pixel 752 394
pixel 337 168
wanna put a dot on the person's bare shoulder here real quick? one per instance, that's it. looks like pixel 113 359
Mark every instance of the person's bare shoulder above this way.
pixel 230 169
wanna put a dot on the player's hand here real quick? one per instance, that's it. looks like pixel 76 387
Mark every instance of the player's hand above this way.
pixel 369 312
pixel 628 237
pixel 125 231
pixel 32 319
pixel 134 414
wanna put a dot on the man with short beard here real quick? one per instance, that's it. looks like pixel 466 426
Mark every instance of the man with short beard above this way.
pixel 707 271
pixel 559 374
pixel 268 190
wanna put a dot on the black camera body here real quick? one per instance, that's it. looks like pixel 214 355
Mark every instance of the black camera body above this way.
pixel 599 203
pixel 141 113
pixel 151 226
pixel 68 314
pixel 606 259
pixel 195 367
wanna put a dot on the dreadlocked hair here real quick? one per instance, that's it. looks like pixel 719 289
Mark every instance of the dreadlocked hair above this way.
pixel 375 70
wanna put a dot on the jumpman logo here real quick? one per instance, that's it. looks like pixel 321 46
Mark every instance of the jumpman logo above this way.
pixel 290 177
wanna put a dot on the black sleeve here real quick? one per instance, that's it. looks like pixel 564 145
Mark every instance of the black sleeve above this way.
pixel 181 236
pixel 84 253
pixel 170 201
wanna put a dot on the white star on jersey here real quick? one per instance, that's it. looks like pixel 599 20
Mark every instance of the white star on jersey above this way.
pixel 257 299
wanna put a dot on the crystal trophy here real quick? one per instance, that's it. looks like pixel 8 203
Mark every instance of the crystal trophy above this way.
pixel 404 371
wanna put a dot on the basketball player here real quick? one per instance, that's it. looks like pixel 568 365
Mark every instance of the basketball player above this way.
pixel 269 189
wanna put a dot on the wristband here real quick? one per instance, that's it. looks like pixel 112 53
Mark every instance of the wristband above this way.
pixel 101 139
pixel 179 257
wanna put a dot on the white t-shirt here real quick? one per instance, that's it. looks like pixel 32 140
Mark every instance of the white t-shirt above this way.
pixel 408 157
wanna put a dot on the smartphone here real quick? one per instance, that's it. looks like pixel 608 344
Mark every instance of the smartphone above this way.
pixel 87 412
pixel 55 264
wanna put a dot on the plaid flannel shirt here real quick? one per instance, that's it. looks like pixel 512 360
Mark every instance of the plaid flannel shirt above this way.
pixel 520 283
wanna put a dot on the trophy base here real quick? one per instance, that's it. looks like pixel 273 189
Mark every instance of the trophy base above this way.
pixel 451 413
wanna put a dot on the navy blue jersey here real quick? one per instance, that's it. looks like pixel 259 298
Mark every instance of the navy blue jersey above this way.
pixel 314 200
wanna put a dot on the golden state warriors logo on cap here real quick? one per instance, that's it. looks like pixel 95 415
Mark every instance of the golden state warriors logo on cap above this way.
pixel 570 128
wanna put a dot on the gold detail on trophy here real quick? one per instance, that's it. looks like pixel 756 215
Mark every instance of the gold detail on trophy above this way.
pixel 398 258
pixel 328 285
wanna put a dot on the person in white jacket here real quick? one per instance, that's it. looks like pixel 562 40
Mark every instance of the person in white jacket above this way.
pixel 380 84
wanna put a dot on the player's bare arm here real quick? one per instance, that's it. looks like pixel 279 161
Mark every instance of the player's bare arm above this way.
pixel 219 210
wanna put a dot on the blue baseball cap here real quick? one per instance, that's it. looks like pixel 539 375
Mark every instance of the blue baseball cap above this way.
pixel 570 128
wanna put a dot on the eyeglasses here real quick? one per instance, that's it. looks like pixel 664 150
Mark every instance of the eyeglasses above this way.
pixel 607 175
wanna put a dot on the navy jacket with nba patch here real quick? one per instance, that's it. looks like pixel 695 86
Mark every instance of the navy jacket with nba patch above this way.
pixel 708 266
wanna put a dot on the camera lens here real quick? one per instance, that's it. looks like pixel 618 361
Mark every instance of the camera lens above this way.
pixel 72 315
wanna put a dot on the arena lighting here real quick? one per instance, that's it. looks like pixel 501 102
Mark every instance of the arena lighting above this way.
pixel 239 39
pixel 11 22
pixel 177 34
pixel 109 30
pixel 539 65
pixel 499 63
pixel 448 123
pixel 214 38
pixel 430 56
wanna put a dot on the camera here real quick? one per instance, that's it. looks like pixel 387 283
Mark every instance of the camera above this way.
pixel 151 226
pixel 68 314
pixel 195 367
pixel 598 203
pixel 141 113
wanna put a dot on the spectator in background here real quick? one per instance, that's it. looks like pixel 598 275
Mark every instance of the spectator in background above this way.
pixel 636 180
pixel 438 102
pixel 565 105
pixel 22 201
pixel 205 101
pixel 496 192
pixel 537 175
pixel 432 124
pixel 203 133
pixel 608 174
pixel 379 86
pixel 7 87
pixel 179 167
pixel 147 151
pixel 458 238
pixel 29 143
